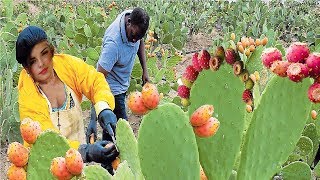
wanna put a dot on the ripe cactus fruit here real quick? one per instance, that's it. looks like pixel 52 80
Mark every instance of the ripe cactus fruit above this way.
pixel 248 108
pixel 314 92
pixel 314 114
pixel 30 130
pixel 313 63
pixel 208 129
pixel 214 63
pixel 219 53
pixel 204 59
pixel 270 55
pixel 231 56
pixel 135 103
pixel 16 173
pixel 244 75
pixel 115 163
pixel 150 96
pixel 297 71
pixel 237 67
pixel 18 154
pixel 247 96
pixel 183 91
pixel 190 73
pixel 59 168
pixel 297 52
pixel 201 116
pixel 195 62
pixel 74 161
pixel 280 68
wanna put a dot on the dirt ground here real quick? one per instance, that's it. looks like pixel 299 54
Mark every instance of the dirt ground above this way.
pixel 196 42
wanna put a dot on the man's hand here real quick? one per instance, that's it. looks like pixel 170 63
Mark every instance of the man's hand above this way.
pixel 108 121
pixel 145 78
pixel 92 127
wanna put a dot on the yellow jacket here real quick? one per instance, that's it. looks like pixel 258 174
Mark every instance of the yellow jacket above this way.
pixel 82 78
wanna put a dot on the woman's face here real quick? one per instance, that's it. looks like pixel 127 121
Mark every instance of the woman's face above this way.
pixel 40 65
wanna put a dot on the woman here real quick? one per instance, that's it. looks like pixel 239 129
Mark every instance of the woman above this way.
pixel 51 87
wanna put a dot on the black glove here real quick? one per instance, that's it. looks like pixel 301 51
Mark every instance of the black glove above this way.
pixel 98 153
pixel 92 128
pixel 108 121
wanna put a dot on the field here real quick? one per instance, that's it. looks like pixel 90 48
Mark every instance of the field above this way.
pixel 273 134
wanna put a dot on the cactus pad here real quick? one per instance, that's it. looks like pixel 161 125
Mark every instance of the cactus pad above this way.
pixel 49 145
pixel 311 131
pixel 224 91
pixel 128 147
pixel 278 120
pixel 297 170
pixel 95 172
pixel 167 145
pixel 123 172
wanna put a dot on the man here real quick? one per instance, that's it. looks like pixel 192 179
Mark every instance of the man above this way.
pixel 122 41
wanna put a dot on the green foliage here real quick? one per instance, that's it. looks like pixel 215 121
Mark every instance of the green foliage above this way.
pixel 297 170
pixel 94 172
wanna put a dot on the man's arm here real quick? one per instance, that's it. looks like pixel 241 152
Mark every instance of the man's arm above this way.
pixel 142 59
pixel 100 69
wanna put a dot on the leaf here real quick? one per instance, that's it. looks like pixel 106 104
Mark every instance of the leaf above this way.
pixel 79 23
pixel 80 38
pixel 159 75
pixel 92 53
pixel 177 44
pixel 69 31
pixel 87 31
pixel 167 39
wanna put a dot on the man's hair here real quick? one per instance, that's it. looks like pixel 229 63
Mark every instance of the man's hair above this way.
pixel 140 18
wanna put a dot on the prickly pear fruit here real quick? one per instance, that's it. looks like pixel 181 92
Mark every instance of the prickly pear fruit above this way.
pixel 214 63
pixel 150 96
pixel 204 58
pixel 16 173
pixel 115 163
pixel 74 161
pixel 280 68
pixel 195 62
pixel 18 154
pixel 208 129
pixel 135 103
pixel 231 56
pixel 297 71
pixel 237 67
pixel 183 91
pixel 247 96
pixel 185 102
pixel 190 73
pixel 59 168
pixel 297 52
pixel 186 82
pixel 314 92
pixel 313 63
pixel 270 55
pixel 219 53
pixel 201 116
pixel 30 130
pixel 314 114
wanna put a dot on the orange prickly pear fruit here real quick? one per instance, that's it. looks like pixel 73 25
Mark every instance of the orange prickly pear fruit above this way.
pixel 201 116
pixel 208 129
pixel 59 169
pixel 150 96
pixel 74 161
pixel 18 154
pixel 30 130
pixel 135 103
pixel 16 173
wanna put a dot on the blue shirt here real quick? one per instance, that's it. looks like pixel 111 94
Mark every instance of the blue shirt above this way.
pixel 118 55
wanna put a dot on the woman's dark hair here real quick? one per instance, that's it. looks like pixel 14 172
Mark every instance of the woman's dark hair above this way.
pixel 140 18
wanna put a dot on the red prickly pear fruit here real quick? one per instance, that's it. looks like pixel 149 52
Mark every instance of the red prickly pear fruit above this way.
pixel 280 68
pixel 59 169
pixel 270 55
pixel 18 154
pixel 135 103
pixel 219 53
pixel 74 161
pixel 208 129
pixel 30 130
pixel 183 91
pixel 186 82
pixel 195 62
pixel 16 173
pixel 214 63
pixel 297 71
pixel 247 96
pixel 204 59
pixel 297 52
pixel 231 56
pixel 314 92
pixel 150 96
pixel 201 116
pixel 190 73
pixel 313 63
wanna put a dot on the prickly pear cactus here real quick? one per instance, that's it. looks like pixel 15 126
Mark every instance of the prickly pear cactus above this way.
pixel 296 170
pixel 123 172
pixel 48 146
pixel 223 90
pixel 128 147
pixel 94 172
pixel 310 131
pixel 167 145
pixel 278 120
pixel 303 150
